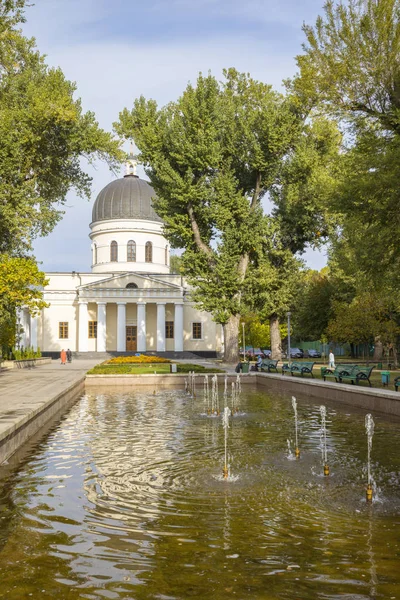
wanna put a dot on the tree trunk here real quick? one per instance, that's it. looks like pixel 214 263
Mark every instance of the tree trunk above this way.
pixel 276 342
pixel 395 360
pixel 352 351
pixel 378 349
pixel 231 340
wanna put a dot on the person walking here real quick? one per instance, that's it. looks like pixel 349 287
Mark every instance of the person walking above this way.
pixel 63 357
pixel 69 355
pixel 331 360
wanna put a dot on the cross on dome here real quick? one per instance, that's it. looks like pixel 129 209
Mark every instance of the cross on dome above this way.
pixel 131 163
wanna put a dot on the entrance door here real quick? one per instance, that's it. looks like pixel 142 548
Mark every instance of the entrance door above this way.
pixel 131 338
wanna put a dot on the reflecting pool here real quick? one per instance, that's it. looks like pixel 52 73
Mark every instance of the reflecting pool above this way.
pixel 125 498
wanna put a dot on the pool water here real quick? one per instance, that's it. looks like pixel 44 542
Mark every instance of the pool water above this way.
pixel 124 499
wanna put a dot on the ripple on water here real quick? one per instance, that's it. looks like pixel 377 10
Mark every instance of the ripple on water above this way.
pixel 127 493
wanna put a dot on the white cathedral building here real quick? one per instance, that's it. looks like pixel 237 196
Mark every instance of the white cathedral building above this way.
pixel 129 302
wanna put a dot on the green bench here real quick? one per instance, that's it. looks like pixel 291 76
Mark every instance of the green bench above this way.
pixel 357 374
pixel 336 372
pixel 298 367
pixel 267 365
pixel 397 383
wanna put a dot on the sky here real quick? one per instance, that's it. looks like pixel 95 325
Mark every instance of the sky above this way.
pixel 117 50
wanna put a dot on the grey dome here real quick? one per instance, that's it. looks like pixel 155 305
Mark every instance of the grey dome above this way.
pixel 125 198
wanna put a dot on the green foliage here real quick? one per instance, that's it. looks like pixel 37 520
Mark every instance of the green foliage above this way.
pixel 351 62
pixel 26 353
pixel 43 137
pixel 21 285
pixel 367 317
pixel 350 70
pixel 176 264
pixel 258 334
pixel 211 157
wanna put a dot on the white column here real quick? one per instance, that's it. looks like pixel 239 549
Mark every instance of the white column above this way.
pixel 83 331
pixel 121 326
pixel 160 326
pixel 141 327
pixel 101 327
pixel 178 328
pixel 34 332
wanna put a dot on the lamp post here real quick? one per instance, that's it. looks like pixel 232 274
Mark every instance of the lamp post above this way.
pixel 288 334
pixel 244 346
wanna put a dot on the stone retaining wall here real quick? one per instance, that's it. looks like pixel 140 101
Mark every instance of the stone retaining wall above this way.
pixel 370 399
pixel 26 363
pixel 15 436
pixel 175 380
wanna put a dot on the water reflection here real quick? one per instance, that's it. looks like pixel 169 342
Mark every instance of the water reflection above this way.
pixel 125 499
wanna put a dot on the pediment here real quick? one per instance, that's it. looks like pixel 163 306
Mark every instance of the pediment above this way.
pixel 121 281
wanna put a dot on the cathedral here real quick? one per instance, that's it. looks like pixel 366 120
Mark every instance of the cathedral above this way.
pixel 129 302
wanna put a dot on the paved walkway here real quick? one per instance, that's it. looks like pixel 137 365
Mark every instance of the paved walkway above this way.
pixel 24 391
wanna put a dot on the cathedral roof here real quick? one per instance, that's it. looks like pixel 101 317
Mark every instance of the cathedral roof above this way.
pixel 126 198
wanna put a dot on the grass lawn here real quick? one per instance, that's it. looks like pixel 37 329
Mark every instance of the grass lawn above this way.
pixel 142 369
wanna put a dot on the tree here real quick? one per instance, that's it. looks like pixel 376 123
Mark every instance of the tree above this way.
pixel 211 156
pixel 351 62
pixel 350 69
pixel 43 136
pixel 176 264
pixel 21 285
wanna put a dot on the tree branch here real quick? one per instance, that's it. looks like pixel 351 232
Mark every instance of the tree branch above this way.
pixel 196 234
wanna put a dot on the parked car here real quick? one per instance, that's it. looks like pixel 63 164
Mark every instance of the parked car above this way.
pixel 312 353
pixel 267 353
pixel 296 353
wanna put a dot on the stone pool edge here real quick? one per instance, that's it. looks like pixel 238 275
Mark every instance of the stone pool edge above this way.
pixel 371 399
pixel 15 436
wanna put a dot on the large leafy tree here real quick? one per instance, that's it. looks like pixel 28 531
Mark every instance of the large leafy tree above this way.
pixel 211 156
pixel 44 134
pixel 350 70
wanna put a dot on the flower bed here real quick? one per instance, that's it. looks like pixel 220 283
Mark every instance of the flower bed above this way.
pixel 142 359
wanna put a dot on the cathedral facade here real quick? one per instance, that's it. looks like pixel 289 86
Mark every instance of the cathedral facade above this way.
pixel 129 302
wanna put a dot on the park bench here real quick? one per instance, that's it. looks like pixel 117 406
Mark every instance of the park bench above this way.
pixel 268 364
pixel 336 372
pixel 397 383
pixel 357 374
pixel 298 367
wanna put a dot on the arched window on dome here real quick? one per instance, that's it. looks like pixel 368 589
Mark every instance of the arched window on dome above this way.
pixel 131 251
pixel 113 252
pixel 131 286
pixel 166 255
pixel 94 258
pixel 149 252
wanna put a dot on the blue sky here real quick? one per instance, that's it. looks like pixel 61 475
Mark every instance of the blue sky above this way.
pixel 116 50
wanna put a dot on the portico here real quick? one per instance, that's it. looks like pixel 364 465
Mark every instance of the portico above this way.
pixel 130 312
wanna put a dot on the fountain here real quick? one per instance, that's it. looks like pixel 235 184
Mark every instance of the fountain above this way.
pixel 369 427
pixel 294 404
pixel 225 424
pixel 214 396
pixel 225 390
pixel 323 439
pixel 130 485
pixel 206 395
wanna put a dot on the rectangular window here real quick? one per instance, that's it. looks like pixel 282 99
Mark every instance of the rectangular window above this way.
pixel 196 331
pixel 169 330
pixel 63 330
pixel 92 329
